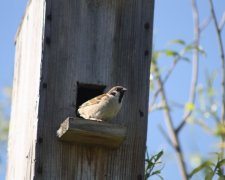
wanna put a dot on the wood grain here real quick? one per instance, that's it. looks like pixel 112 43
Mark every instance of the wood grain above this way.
pixel 102 42
pixel 88 132
pixel 25 97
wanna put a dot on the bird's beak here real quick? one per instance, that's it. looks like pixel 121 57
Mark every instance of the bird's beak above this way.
pixel 124 89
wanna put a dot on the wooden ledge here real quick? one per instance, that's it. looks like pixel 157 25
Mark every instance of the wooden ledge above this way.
pixel 89 132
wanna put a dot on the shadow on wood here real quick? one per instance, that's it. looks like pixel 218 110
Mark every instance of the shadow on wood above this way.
pixel 89 132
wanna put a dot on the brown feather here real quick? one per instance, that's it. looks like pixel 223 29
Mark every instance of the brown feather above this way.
pixel 94 100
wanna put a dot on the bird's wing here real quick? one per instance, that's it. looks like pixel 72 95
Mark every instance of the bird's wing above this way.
pixel 95 100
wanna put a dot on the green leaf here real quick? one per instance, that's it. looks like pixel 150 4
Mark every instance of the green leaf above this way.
pixel 160 177
pixel 158 156
pixel 219 166
pixel 177 41
pixel 156 172
pixel 189 48
pixel 189 106
pixel 210 91
pixel 220 129
pixel 201 50
pixel 204 165
pixel 156 55
pixel 147 175
pixel 209 174
pixel 220 163
pixel 171 53
pixel 151 164
pixel 194 47
pixel 186 59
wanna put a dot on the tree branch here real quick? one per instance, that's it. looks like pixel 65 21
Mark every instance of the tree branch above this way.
pixel 220 42
pixel 205 23
pixel 195 65
pixel 169 123
pixel 165 135
pixel 222 22
pixel 221 49
pixel 156 107
pixel 172 67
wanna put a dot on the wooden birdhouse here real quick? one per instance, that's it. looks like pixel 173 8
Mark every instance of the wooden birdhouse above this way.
pixel 66 53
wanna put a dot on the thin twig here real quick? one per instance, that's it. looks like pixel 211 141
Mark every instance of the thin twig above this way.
pixel 156 107
pixel 154 99
pixel 221 49
pixel 172 67
pixel 202 27
pixel 203 125
pixel 222 22
pixel 169 123
pixel 195 64
pixel 220 42
pixel 205 23
pixel 210 112
pixel 165 135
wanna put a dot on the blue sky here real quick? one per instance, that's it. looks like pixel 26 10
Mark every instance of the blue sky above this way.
pixel 10 16
pixel 173 20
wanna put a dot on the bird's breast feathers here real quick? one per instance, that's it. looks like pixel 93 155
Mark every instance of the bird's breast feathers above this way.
pixel 103 109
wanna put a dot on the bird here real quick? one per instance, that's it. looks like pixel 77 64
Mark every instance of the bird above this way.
pixel 103 107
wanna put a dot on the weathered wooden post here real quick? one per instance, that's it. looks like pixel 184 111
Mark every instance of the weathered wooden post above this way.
pixel 67 52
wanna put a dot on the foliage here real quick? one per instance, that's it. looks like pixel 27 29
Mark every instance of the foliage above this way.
pixel 153 163
pixel 4 127
pixel 211 169
pixel 4 115
pixel 205 107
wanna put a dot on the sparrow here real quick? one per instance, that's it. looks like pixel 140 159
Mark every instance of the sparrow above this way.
pixel 103 107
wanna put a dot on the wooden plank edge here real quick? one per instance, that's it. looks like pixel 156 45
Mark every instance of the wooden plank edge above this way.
pixel 80 131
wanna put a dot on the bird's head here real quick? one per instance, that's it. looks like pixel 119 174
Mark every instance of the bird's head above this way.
pixel 118 92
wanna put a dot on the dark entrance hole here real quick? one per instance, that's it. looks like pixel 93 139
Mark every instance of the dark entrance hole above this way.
pixel 86 92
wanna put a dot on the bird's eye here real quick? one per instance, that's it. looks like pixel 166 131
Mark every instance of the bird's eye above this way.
pixel 118 89
pixel 113 93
